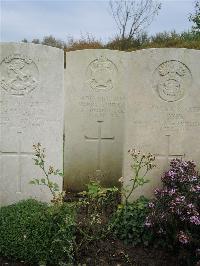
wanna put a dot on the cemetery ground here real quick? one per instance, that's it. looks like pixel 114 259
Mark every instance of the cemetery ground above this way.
pixel 115 252
pixel 111 250
pixel 97 227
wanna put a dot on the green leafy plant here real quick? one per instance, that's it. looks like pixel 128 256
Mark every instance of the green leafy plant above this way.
pixel 99 196
pixel 94 204
pixel 37 233
pixel 49 173
pixel 129 222
pixel 141 165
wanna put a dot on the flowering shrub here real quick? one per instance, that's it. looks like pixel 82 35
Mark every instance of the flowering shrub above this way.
pixel 175 211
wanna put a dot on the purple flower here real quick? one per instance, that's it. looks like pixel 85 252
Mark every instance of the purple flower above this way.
pixel 148 223
pixel 189 212
pixel 181 169
pixel 185 164
pixel 192 189
pixel 195 220
pixel 151 205
pixel 160 231
pixel 193 178
pixel 183 237
pixel 163 216
pixel 157 191
pixel 180 199
pixel 172 191
pixel 183 218
pixel 179 212
pixel 195 188
pixel 170 173
pixel 176 203
pixel 191 206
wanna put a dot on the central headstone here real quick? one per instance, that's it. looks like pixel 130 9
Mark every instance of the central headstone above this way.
pixel 31 111
pixel 94 117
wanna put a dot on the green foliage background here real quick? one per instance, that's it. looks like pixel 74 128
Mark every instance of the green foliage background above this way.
pixel 34 232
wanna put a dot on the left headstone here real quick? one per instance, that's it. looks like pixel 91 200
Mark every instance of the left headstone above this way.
pixel 31 111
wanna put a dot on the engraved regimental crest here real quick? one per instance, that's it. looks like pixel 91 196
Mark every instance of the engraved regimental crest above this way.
pixel 171 80
pixel 101 74
pixel 19 75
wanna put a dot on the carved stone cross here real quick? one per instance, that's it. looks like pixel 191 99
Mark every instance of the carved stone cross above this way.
pixel 18 154
pixel 99 139
pixel 167 154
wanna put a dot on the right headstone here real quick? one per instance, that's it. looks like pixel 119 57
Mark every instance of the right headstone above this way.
pixel 163 109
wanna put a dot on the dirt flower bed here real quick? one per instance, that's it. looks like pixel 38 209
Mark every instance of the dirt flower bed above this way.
pixel 115 252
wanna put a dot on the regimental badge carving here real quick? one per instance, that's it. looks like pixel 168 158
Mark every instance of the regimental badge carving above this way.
pixel 101 74
pixel 171 80
pixel 19 75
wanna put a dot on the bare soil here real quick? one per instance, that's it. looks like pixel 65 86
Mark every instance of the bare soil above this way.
pixel 114 252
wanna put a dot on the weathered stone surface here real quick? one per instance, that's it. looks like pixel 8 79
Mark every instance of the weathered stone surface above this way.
pixel 31 105
pixel 163 109
pixel 161 91
pixel 94 112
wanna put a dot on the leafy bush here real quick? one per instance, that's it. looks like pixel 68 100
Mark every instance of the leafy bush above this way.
pixel 98 198
pixel 175 211
pixel 186 39
pixel 129 222
pixel 35 232
pixel 84 42
pixel 189 39
pixel 95 206
pixel 195 18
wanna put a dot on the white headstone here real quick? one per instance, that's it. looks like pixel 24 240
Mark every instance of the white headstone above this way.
pixel 163 109
pixel 31 111
pixel 94 116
